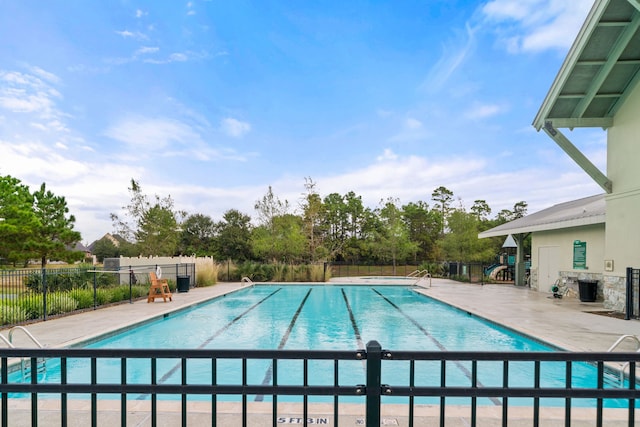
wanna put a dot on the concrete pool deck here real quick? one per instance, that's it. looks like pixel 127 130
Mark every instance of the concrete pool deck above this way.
pixel 566 323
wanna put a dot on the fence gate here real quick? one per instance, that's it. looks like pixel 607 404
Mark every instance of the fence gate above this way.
pixel 632 309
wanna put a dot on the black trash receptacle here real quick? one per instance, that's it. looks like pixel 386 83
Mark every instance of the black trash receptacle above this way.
pixel 183 283
pixel 588 290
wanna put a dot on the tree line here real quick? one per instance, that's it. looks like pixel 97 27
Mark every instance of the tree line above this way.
pixel 335 227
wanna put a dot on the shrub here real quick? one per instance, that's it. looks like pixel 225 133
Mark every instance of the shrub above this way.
pixel 10 314
pixel 228 271
pixel 105 280
pixel 32 305
pixel 119 293
pixel 280 272
pixel 436 269
pixel 207 271
pixel 277 272
pixel 65 280
pixel 255 271
pixel 316 273
pixel 58 303
pixel 139 291
pixel 84 297
pixel 122 293
pixel 103 296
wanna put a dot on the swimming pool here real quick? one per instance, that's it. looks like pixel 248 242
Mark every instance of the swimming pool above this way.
pixel 324 317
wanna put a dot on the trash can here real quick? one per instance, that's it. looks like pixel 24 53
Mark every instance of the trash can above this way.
pixel 183 283
pixel 588 290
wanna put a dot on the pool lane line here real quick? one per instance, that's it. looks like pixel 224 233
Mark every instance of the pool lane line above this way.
pixel 354 325
pixel 460 366
pixel 269 374
pixel 238 317
pixel 214 336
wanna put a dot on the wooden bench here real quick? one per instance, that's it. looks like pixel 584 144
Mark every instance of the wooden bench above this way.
pixel 159 289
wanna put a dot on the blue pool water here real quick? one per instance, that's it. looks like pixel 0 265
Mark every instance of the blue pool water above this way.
pixel 324 318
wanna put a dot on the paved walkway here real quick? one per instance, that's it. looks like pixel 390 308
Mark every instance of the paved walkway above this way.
pixel 566 323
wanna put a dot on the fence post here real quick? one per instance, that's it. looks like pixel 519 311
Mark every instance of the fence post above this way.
pixel 374 358
pixel 628 312
pixel 131 277
pixel 177 274
pixel 44 293
pixel 95 291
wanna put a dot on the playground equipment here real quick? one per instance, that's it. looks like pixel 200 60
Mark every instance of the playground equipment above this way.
pixel 505 267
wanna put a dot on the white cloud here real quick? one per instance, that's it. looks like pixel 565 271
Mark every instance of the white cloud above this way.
pixel 28 94
pixel 539 24
pixel 453 56
pixel 50 77
pixel 178 57
pixel 133 35
pixel 92 190
pixel 37 162
pixel 174 57
pixel 483 111
pixel 146 50
pixel 411 129
pixel 152 133
pixel 145 137
pixel 388 154
pixel 140 13
pixel 190 10
pixel 413 178
pixel 235 128
pixel 412 123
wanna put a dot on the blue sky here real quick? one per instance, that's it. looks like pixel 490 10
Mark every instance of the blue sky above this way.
pixel 211 102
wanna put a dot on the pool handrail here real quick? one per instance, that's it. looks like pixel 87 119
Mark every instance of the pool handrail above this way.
pixel 414 273
pixel 27 333
pixel 420 275
pixel 6 341
pixel 624 366
pixel 25 363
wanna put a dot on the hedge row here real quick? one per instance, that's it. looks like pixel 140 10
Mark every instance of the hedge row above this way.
pixel 29 305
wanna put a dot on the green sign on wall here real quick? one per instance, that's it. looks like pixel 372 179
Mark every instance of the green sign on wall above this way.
pixel 579 255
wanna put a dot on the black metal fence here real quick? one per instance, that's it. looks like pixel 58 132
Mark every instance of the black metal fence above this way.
pixel 467 271
pixel 36 294
pixel 632 306
pixel 344 269
pixel 371 396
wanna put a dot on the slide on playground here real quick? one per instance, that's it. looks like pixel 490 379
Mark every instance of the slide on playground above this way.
pixel 495 271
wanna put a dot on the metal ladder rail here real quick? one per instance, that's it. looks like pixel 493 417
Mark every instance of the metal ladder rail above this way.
pixel 41 364
pixel 246 280
pixel 624 366
pixel 414 273
pixel 421 275
pixel 417 273
pixel 6 341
